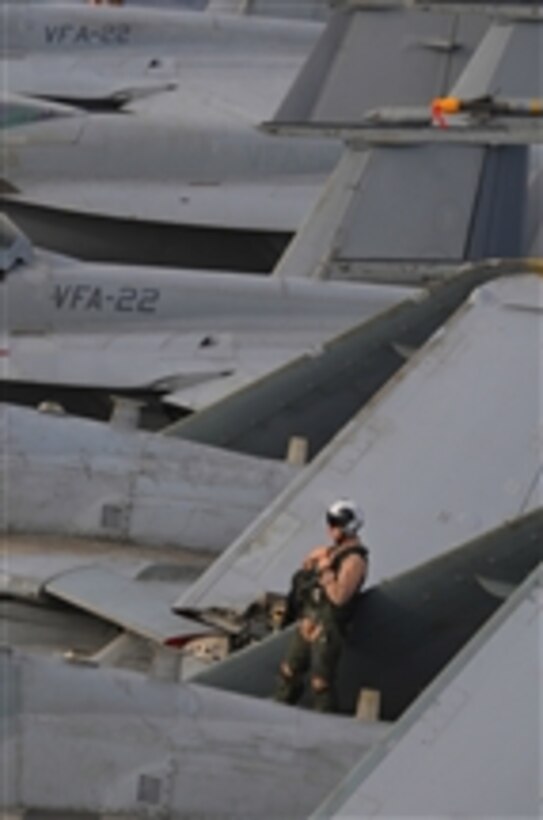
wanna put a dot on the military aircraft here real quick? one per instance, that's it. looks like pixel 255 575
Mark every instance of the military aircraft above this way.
pixel 426 598
pixel 127 485
pixel 150 490
pixel 433 188
pixel 187 178
pixel 67 294
pixel 153 747
pixel 447 737
pixel 473 196
pixel 84 201
pixel 373 457
pixel 153 332
pixel 432 421
pixel 209 191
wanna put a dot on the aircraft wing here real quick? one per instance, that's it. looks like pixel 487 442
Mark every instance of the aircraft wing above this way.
pixel 434 640
pixel 323 391
pixel 76 478
pixel 450 448
pixel 112 520
pixel 453 731
pixel 121 601
pixel 409 626
pixel 89 741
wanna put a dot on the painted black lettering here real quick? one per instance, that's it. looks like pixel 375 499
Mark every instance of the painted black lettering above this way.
pixel 55 35
pixel 51 34
pixel 123 34
pixel 126 301
pixel 82 35
pixel 95 300
pixel 148 300
pixel 61 295
pixel 108 35
pixel 78 295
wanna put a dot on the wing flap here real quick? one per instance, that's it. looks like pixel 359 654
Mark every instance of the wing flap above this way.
pixel 121 601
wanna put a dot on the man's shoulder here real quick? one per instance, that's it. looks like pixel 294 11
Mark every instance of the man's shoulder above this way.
pixel 357 549
pixel 320 551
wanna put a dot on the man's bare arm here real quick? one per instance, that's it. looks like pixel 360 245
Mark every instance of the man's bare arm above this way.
pixel 341 589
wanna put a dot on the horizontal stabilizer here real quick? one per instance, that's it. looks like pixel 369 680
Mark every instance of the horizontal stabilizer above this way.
pixel 121 601
pixel 344 376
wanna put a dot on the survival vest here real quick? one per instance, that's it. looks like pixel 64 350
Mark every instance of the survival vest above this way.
pixel 306 594
pixel 343 613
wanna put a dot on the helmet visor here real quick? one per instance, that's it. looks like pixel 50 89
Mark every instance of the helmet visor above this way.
pixel 336 520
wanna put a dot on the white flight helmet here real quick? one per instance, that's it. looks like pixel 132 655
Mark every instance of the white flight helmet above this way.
pixel 345 515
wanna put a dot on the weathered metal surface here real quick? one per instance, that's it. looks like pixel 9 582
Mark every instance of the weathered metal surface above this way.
pixel 406 629
pixel 148 330
pixel 180 155
pixel 472 742
pixel 121 601
pixel 316 395
pixel 73 477
pixel 450 448
pixel 399 56
pixel 83 739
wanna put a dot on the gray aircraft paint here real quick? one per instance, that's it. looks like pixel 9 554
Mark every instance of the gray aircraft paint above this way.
pixel 189 157
pixel 130 745
pixel 424 52
pixel 407 628
pixel 153 785
pixel 435 420
pixel 299 9
pixel 33 29
pixel 420 204
pixel 72 477
pixel 452 731
pixel 184 327
pixel 323 391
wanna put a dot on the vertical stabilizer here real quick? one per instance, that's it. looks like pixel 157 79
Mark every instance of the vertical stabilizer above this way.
pixel 373 56
pixel 406 203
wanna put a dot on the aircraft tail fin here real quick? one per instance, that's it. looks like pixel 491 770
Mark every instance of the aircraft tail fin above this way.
pixel 408 203
pixel 409 214
pixel 399 56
